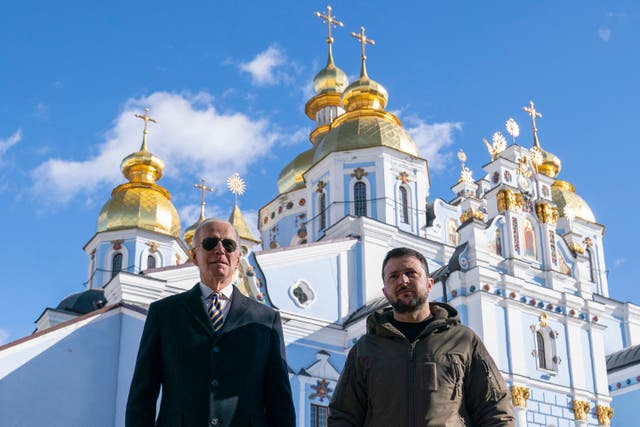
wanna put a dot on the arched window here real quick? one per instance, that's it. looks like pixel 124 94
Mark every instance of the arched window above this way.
pixel 360 198
pixel 529 240
pixel 151 261
pixel 323 210
pixel 404 202
pixel 116 264
pixel 541 350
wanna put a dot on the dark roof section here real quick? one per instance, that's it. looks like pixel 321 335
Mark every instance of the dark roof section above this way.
pixel 624 358
pixel 370 307
pixel 83 302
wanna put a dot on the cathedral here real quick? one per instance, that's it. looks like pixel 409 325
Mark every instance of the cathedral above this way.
pixel 516 251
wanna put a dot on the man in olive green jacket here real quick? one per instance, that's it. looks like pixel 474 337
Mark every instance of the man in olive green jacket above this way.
pixel 417 365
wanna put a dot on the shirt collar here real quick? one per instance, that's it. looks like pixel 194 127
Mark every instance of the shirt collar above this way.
pixel 225 293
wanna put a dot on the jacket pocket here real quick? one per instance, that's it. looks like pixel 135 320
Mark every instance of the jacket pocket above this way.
pixel 430 376
pixel 494 386
pixel 457 374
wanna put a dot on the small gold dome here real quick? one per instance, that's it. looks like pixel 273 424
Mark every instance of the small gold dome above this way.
pixel 565 197
pixel 190 231
pixel 291 176
pixel 364 131
pixel 551 164
pixel 330 79
pixel 140 203
pixel 364 93
pixel 240 224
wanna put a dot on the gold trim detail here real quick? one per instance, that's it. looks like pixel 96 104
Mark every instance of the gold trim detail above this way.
pixel 544 322
pixel 358 173
pixel 153 247
pixel 320 101
pixel 547 214
pixel 509 201
pixel 576 248
pixel 519 396
pixel 472 214
pixel 580 409
pixel 605 413
pixel 319 131
pixel 404 177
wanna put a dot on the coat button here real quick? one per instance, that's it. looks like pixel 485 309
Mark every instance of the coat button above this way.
pixel 216 421
pixel 214 383
pixel 216 349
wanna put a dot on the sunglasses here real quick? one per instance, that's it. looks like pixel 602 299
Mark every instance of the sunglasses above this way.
pixel 209 243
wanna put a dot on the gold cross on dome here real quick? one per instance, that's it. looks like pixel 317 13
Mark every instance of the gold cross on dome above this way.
pixel 533 113
pixel 363 41
pixel 330 20
pixel 203 188
pixel 146 119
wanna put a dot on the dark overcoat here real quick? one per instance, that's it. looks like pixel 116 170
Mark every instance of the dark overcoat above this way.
pixel 235 377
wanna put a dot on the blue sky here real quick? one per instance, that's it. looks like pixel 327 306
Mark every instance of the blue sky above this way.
pixel 227 82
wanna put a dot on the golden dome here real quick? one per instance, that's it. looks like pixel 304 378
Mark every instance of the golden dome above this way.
pixel 565 197
pixel 140 203
pixel 190 231
pixel 369 129
pixel 364 93
pixel 551 164
pixel 291 176
pixel 330 79
pixel 237 220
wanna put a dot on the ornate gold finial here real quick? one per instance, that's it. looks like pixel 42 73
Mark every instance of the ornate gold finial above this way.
pixel 363 42
pixel 236 185
pixel 146 119
pixel 472 213
pixel 533 113
pixel 465 174
pixel 330 20
pixel 519 395
pixel 580 410
pixel 605 413
pixel 203 188
pixel 499 143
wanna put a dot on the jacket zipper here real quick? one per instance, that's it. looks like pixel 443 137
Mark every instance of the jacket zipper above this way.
pixel 412 380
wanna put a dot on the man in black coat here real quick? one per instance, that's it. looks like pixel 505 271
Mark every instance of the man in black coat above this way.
pixel 217 355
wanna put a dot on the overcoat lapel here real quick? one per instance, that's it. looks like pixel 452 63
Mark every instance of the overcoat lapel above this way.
pixel 194 306
pixel 236 316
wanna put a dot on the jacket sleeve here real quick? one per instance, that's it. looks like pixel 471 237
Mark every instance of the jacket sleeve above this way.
pixel 145 385
pixel 487 396
pixel 348 406
pixel 277 389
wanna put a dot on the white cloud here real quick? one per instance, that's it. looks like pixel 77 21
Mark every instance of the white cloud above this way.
pixel 7 143
pixel 4 336
pixel 264 68
pixel 191 136
pixel 604 34
pixel 618 262
pixel 432 140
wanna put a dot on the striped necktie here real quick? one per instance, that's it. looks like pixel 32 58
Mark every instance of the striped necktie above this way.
pixel 215 312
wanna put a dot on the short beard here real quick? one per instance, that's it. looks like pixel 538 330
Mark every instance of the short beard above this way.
pixel 414 304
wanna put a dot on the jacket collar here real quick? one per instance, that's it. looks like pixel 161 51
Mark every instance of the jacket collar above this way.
pixel 378 323
pixel 195 308
pixel 235 318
